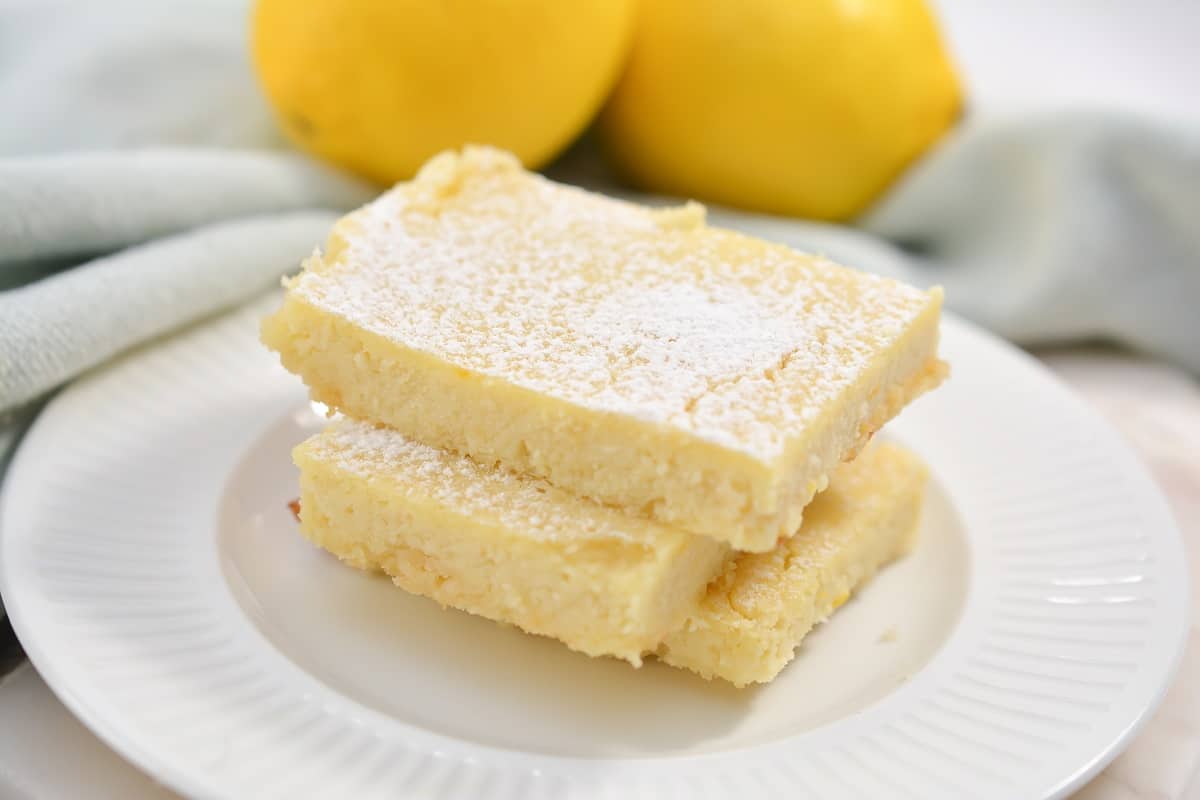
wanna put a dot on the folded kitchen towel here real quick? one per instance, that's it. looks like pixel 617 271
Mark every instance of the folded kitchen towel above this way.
pixel 63 209
pixel 1058 228
pixel 143 185
pixel 54 328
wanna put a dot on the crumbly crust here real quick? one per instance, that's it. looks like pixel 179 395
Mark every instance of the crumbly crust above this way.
pixel 754 615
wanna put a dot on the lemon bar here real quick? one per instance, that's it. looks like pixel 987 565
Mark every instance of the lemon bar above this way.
pixel 487 541
pixel 636 356
pixel 754 615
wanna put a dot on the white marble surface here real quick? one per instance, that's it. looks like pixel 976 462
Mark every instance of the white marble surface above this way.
pixel 46 754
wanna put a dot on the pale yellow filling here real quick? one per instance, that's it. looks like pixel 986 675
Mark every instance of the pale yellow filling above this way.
pixel 644 469
pixel 518 550
pixel 510 549
pixel 641 358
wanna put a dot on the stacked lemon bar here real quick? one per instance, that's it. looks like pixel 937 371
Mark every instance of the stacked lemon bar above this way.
pixel 602 422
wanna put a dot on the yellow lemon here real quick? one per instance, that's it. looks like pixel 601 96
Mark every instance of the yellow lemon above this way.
pixel 379 86
pixel 803 108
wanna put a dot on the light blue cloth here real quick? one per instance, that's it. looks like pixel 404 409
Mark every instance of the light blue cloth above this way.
pixel 184 233
pixel 1061 228
pixel 143 186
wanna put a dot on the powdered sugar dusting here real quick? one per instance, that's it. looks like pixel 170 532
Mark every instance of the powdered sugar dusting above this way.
pixel 605 304
pixel 526 506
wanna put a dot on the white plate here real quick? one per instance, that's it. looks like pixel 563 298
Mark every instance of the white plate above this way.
pixel 154 574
